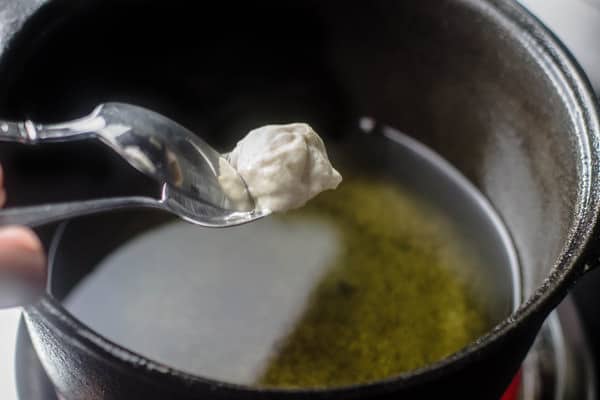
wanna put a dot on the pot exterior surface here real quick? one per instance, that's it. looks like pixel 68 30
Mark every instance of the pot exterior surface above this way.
pixel 89 374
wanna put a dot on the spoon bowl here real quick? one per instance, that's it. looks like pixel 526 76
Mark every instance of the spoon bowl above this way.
pixel 185 166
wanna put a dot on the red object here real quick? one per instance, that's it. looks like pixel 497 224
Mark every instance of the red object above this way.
pixel 512 392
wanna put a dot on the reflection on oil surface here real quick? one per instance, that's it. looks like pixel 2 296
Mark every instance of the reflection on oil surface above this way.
pixel 359 285
pixel 208 301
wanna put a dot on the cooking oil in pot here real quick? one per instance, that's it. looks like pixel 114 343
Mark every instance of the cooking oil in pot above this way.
pixel 404 264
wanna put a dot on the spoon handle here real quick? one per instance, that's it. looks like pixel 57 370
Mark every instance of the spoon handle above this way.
pixel 14 132
pixel 47 213
pixel 28 132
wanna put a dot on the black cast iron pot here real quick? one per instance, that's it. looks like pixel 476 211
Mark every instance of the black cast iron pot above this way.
pixel 481 82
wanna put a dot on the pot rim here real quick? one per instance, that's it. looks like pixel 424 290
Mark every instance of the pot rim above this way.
pixel 577 94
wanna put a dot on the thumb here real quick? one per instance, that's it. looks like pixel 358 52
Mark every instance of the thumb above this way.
pixel 22 267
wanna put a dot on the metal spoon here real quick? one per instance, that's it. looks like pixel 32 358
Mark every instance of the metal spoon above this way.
pixel 185 165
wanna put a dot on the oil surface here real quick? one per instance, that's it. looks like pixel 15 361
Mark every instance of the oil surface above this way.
pixel 390 302
pixel 399 267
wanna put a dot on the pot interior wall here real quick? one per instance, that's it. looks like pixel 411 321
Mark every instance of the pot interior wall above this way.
pixel 461 88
